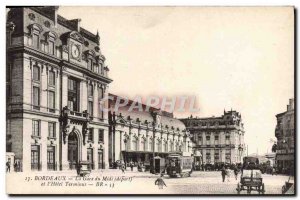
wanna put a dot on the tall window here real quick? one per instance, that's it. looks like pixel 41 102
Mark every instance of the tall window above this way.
pixel 227 155
pixel 36 128
pixel 51 101
pixel 90 64
pixel 90 158
pixel 101 136
pixel 143 144
pixel 90 90
pixel 73 94
pixel 159 146
pixel 208 159
pixel 90 107
pixel 199 140
pixel 51 78
pixel 207 140
pixel 100 97
pixel 35 39
pixel 51 158
pixel 165 147
pixel 216 139
pixel 217 156
pixel 35 157
pixel 150 145
pixel 51 129
pixel 227 139
pixel 172 146
pixel 36 97
pixel 100 159
pixel 51 47
pixel 36 73
pixel 134 144
pixel 91 135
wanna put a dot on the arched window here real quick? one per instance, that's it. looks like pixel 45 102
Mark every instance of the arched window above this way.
pixel 143 144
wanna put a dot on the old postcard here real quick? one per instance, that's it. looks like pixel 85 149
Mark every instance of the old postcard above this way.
pixel 150 100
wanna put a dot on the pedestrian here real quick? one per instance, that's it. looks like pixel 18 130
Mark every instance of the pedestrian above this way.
pixel 123 169
pixel 236 172
pixel 223 173
pixel 131 166
pixel 160 182
pixel 16 166
pixel 227 174
pixel 7 166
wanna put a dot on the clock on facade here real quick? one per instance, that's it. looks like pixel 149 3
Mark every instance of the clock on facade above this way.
pixel 75 51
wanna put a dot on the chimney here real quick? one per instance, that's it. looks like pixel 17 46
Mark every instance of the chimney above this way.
pixel 55 9
pixel 76 24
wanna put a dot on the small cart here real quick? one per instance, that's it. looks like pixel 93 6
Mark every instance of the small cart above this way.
pixel 251 180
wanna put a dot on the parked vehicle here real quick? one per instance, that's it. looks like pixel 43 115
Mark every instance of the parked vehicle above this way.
pixel 251 179
pixel 177 165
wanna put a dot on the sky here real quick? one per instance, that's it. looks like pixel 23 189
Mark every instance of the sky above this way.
pixel 228 58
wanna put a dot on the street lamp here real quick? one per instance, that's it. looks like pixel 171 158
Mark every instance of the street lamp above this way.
pixel 240 152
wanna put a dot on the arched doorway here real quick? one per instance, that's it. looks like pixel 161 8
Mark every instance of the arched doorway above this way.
pixel 73 150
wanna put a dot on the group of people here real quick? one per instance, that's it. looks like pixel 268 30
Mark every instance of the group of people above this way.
pixel 226 172
pixel 17 166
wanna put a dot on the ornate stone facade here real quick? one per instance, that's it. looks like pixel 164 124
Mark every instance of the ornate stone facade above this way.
pixel 56 80
pixel 218 139
pixel 132 134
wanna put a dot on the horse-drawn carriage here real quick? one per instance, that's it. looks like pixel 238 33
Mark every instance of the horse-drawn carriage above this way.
pixel 251 179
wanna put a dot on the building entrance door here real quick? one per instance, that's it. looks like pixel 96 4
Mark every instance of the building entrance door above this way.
pixel 73 150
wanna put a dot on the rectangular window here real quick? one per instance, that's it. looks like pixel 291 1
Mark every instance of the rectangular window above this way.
pixel 101 136
pixel 199 140
pixel 35 39
pixel 35 157
pixel 100 93
pixel 51 158
pixel 90 64
pixel 36 97
pixel 51 101
pixel 216 139
pixel 51 47
pixel 73 94
pixel 36 73
pixel 100 159
pixel 90 108
pixel 143 145
pixel 91 135
pixel 51 129
pixel 227 139
pixel 90 90
pixel 51 78
pixel 36 128
pixel 90 158
pixel 207 140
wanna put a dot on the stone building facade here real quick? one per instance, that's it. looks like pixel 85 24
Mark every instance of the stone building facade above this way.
pixel 285 134
pixel 218 139
pixel 134 135
pixel 56 80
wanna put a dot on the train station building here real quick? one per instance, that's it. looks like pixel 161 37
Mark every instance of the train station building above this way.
pixel 139 135
pixel 56 80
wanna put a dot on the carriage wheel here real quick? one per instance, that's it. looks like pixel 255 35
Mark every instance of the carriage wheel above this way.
pixel 239 188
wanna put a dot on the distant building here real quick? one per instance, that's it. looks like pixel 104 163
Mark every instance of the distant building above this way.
pixel 219 139
pixel 285 134
pixel 133 135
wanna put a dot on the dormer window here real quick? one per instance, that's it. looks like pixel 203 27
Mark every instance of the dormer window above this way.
pixel 35 31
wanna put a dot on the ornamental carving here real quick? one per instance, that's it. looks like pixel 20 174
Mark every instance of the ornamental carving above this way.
pixel 65 122
pixel 76 36
pixel 31 16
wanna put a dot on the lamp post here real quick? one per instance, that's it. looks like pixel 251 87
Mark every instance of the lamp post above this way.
pixel 240 152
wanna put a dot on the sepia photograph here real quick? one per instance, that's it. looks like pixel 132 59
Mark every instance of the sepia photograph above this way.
pixel 150 100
